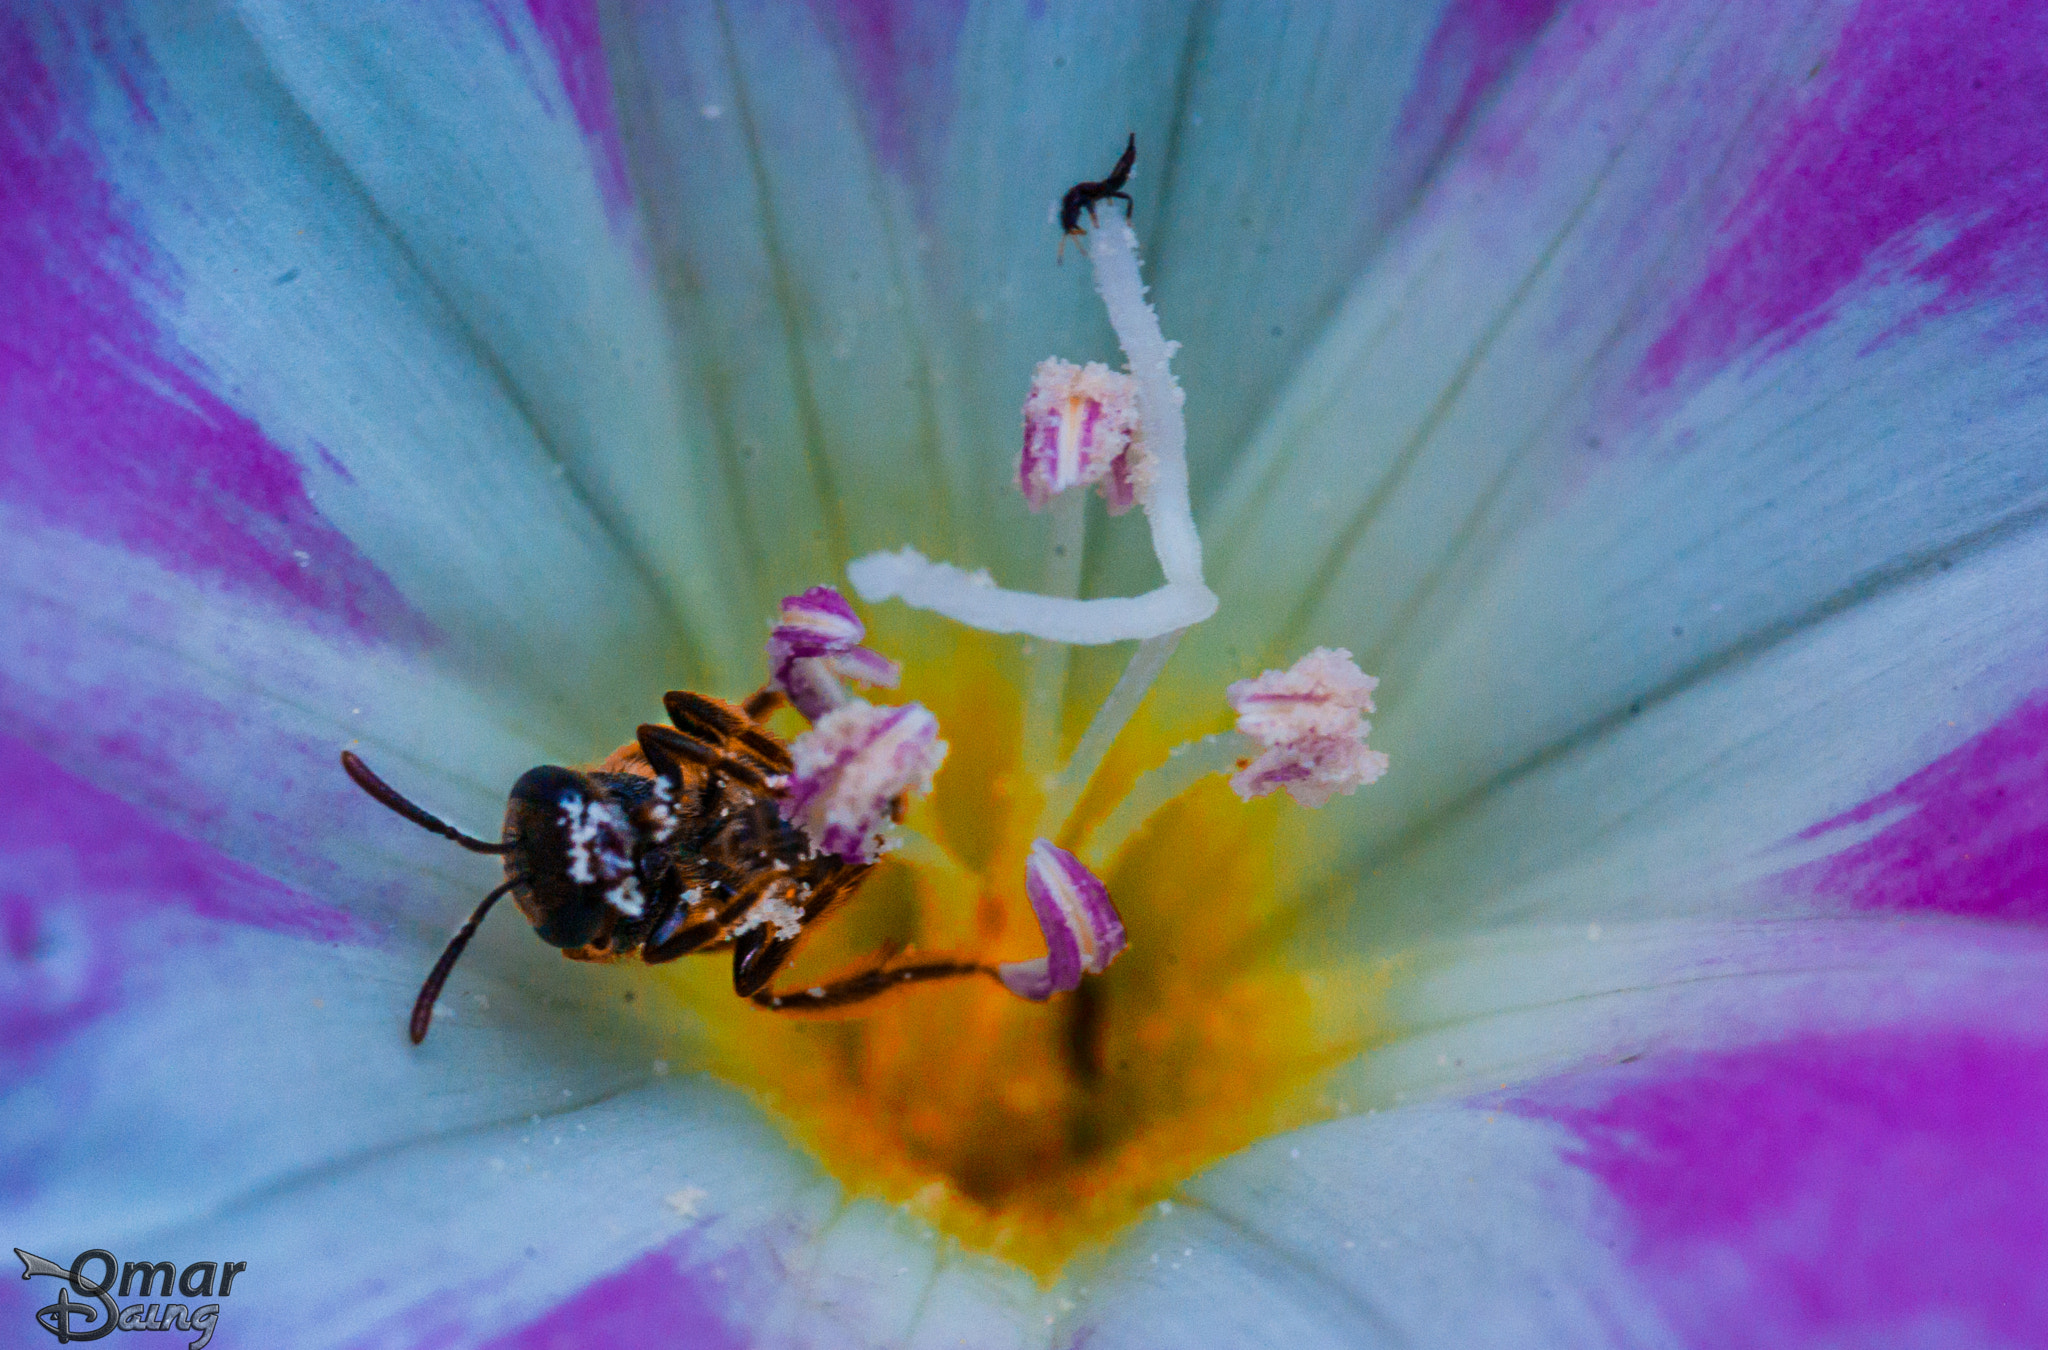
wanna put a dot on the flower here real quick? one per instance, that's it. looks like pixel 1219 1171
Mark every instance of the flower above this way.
pixel 1648 395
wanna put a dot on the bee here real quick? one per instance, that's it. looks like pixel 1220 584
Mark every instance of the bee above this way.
pixel 1083 196
pixel 676 844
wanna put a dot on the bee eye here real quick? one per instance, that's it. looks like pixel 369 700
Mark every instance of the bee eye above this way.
pixel 571 925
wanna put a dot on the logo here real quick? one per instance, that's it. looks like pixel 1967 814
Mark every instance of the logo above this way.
pixel 92 1275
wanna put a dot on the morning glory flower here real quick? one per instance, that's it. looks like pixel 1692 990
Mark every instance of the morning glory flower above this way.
pixel 1648 398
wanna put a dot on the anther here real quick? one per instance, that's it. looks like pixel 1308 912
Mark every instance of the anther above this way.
pixel 1309 724
pixel 1081 428
pixel 816 644
pixel 1083 932
pixel 853 770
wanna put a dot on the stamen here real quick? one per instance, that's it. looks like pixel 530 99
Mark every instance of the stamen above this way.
pixel 1309 720
pixel 1302 728
pixel 1080 428
pixel 1186 765
pixel 1083 932
pixel 814 645
pixel 851 770
pixel 975 600
pixel 1046 686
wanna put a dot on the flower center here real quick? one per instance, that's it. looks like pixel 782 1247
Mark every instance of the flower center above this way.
pixel 1030 1114
pixel 1031 1130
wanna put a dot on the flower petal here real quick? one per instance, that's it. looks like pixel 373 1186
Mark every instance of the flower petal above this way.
pixel 234 262
pixel 1828 1190
pixel 483 138
pixel 1501 478
pixel 264 495
pixel 1823 1132
pixel 1552 536
pixel 1721 796
pixel 1442 1225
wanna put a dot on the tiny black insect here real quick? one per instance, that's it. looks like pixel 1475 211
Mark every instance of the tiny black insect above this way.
pixel 674 845
pixel 1083 196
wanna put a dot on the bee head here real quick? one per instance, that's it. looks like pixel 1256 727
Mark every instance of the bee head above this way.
pixel 569 856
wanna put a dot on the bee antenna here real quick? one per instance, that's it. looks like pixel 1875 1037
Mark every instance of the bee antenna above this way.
pixel 423 1006
pixel 385 793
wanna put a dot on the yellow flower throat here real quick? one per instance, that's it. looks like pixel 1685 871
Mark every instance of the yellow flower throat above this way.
pixel 1032 1131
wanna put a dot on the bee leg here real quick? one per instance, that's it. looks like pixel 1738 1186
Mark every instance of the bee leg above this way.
pixel 866 985
pixel 703 935
pixel 723 726
pixel 763 703
pixel 1125 198
pixel 756 955
pixel 759 952
pixel 674 745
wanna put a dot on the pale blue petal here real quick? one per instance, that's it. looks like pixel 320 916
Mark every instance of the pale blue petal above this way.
pixel 1431 1226
pixel 223 718
pixel 789 262
pixel 1646 602
pixel 483 138
pixel 273 278
pixel 1693 802
pixel 1487 1189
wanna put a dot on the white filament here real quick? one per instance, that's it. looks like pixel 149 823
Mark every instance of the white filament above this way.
pixel 1185 766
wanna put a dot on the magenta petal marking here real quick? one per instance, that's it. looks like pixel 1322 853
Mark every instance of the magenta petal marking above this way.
pixel 1974 841
pixel 1923 125
pixel 61 835
pixel 80 869
pixel 656 1300
pixel 1841 1190
pixel 570 29
pixel 903 53
pixel 1476 42
pixel 106 430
